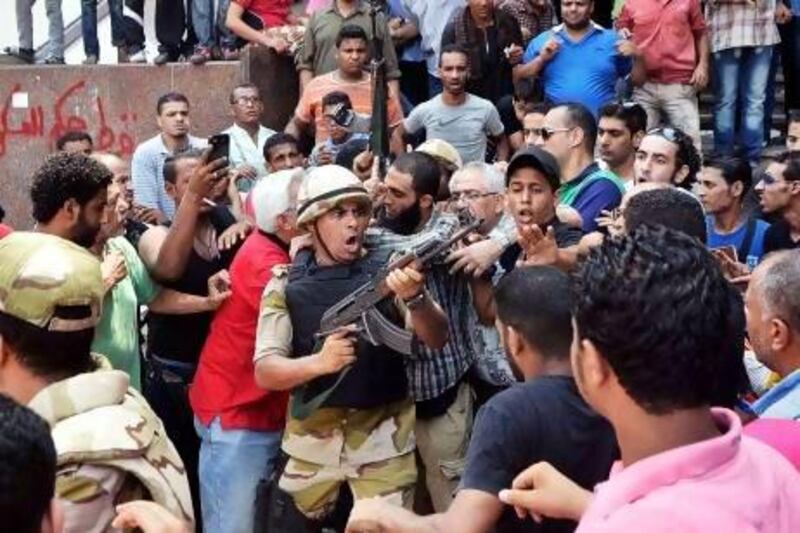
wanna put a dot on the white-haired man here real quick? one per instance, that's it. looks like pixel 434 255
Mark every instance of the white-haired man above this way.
pixel 481 188
pixel 240 424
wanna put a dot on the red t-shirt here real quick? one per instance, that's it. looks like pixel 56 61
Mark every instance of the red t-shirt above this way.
pixel 5 230
pixel 271 12
pixel 224 384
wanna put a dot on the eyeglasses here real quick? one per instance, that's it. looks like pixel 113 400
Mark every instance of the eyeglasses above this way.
pixel 244 100
pixel 546 133
pixel 469 196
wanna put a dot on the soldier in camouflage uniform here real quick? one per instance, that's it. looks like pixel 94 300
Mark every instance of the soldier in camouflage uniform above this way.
pixel 111 447
pixel 362 431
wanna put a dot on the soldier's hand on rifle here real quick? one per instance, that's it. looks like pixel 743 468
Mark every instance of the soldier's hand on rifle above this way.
pixel 337 351
pixel 407 282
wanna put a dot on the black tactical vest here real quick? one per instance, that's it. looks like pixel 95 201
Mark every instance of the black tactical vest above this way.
pixel 378 376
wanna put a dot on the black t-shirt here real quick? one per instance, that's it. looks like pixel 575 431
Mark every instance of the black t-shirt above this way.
pixel 566 235
pixel 544 419
pixel 505 107
pixel 181 337
pixel 779 237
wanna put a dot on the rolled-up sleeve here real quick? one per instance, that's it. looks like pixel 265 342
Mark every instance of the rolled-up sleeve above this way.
pixel 274 331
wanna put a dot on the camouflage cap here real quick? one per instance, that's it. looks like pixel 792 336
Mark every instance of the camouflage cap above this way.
pixel 324 188
pixel 42 275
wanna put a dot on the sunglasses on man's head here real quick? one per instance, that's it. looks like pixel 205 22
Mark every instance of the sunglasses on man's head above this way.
pixel 671 134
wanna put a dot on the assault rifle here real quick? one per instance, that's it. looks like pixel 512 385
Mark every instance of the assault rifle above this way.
pixel 359 307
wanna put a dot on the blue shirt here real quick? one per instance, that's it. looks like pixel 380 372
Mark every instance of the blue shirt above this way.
pixel 600 193
pixel 412 51
pixel 585 71
pixel 736 239
pixel 782 400
pixel 147 173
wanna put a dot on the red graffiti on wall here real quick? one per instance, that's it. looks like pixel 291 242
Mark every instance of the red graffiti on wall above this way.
pixel 32 124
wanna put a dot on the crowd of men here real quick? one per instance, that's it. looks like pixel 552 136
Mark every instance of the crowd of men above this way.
pixel 551 311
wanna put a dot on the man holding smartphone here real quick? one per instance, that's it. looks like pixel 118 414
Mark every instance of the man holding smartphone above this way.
pixel 343 124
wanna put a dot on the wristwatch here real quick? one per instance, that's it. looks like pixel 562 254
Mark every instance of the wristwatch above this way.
pixel 417 301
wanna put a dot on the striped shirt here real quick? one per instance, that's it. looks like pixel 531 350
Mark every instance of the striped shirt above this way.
pixel 147 173
pixel 740 25
pixel 433 372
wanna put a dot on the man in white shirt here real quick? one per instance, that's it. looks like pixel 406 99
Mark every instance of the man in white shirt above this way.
pixel 430 18
pixel 247 135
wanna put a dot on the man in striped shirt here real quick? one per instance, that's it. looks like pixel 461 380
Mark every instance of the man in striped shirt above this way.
pixel 743 36
pixel 147 166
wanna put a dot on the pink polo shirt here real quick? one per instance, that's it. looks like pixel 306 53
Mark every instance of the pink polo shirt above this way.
pixel 728 483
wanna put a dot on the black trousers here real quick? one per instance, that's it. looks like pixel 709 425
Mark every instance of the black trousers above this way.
pixel 132 24
pixel 174 29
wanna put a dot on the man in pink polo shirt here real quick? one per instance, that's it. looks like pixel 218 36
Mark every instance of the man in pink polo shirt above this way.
pixel 658 333
pixel 672 37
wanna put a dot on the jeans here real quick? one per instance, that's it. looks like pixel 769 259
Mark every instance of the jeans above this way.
pixel 769 95
pixel 55 26
pixel 232 462
pixel 227 39
pixel 89 25
pixel 203 22
pixel 740 85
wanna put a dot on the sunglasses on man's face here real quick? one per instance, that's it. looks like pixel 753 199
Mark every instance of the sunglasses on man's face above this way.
pixel 546 132
pixel 768 179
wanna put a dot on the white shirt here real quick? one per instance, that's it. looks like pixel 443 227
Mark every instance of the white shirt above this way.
pixel 245 152
pixel 430 17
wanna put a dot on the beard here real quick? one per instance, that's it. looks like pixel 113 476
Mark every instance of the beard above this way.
pixel 84 234
pixel 403 224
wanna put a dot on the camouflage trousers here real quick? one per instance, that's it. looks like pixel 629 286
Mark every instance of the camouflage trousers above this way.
pixel 315 487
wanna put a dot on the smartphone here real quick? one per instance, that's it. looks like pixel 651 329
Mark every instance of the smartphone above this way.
pixel 727 251
pixel 220 146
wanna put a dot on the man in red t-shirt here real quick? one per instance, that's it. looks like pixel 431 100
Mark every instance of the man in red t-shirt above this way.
pixel 240 424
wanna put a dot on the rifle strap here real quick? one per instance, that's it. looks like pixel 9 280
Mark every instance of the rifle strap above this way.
pixel 301 409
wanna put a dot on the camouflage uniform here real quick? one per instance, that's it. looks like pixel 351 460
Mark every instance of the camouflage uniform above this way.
pixel 371 449
pixel 111 447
